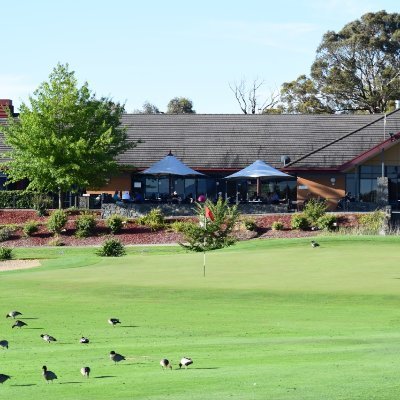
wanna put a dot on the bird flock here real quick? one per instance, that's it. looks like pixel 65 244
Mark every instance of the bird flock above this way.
pixel 50 376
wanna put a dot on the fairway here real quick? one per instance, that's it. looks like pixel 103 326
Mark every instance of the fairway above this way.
pixel 272 319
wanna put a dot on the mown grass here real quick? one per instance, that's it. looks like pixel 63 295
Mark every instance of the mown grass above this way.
pixel 271 320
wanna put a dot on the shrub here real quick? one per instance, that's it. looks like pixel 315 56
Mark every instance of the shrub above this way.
pixel 16 199
pixel 111 248
pixel 57 221
pixel 30 228
pixel 6 253
pixel 371 223
pixel 326 222
pixel 6 232
pixel 154 219
pixel 85 225
pixel 41 202
pixel 250 224
pixel 314 209
pixel 179 226
pixel 55 242
pixel 300 221
pixel 115 223
pixel 277 226
pixel 213 233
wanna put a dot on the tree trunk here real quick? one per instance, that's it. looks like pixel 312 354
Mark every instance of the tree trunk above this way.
pixel 60 205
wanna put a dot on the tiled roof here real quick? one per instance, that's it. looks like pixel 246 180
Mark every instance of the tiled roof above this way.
pixel 225 141
pixel 233 141
pixel 346 148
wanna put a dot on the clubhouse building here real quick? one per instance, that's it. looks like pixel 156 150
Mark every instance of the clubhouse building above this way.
pixel 327 156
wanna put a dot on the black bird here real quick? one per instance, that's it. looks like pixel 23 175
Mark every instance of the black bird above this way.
pixel 48 375
pixel 84 340
pixel 4 344
pixel 165 364
pixel 13 314
pixel 116 357
pixel 314 244
pixel 185 362
pixel 85 371
pixel 47 338
pixel 114 321
pixel 19 324
pixel 4 377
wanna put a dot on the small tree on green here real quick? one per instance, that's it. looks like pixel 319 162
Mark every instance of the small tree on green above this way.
pixel 217 222
pixel 66 138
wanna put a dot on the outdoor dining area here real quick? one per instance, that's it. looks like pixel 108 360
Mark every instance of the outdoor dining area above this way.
pixel 175 187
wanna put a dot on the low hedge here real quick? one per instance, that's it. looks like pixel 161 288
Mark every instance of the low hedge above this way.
pixel 17 199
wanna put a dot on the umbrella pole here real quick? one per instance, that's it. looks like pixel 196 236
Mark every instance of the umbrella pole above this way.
pixel 258 187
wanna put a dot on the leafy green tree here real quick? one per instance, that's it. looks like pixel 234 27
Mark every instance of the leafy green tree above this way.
pixel 302 97
pixel 148 108
pixel 355 70
pixel 215 230
pixel 65 138
pixel 180 105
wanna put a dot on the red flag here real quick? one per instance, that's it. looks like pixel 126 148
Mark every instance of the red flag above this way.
pixel 209 214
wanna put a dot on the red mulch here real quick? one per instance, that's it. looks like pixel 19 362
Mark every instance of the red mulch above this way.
pixel 133 234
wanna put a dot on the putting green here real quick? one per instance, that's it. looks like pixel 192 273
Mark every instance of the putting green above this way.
pixel 272 319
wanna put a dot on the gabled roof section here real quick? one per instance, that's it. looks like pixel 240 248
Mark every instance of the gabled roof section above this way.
pixel 232 142
pixel 351 146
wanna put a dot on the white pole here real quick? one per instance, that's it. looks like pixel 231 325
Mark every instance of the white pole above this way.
pixel 204 252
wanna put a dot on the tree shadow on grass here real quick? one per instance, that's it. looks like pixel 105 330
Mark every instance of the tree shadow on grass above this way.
pixel 104 376
pixel 129 326
pixel 70 383
pixel 26 384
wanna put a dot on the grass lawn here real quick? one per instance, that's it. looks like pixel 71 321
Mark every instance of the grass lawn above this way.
pixel 272 319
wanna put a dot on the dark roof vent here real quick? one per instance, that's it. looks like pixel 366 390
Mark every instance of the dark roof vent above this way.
pixel 285 160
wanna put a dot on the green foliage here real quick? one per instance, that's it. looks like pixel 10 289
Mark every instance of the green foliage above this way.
pixel 314 209
pixel 180 226
pixel 355 70
pixel 56 242
pixel 326 222
pixel 277 226
pixel 212 234
pixel 6 232
pixel 30 227
pixel 115 223
pixel 17 199
pixel 57 221
pixel 41 203
pixel 300 221
pixel 180 105
pixel 371 223
pixel 85 225
pixel 147 108
pixel 250 224
pixel 111 248
pixel 6 253
pixel 65 138
pixel 154 219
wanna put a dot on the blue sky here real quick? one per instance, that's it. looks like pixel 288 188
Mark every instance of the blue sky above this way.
pixel 137 51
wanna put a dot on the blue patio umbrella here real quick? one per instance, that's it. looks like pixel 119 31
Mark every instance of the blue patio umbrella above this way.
pixel 259 169
pixel 170 165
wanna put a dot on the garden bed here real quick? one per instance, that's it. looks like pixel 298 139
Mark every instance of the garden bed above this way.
pixel 134 234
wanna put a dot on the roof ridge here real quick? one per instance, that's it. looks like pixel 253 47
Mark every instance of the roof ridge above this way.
pixel 380 117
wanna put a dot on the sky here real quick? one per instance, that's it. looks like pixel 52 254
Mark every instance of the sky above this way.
pixel 136 51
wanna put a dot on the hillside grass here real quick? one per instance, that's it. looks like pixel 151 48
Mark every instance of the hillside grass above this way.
pixel 272 319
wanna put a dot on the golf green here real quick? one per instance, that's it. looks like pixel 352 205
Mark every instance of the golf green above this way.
pixel 274 319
